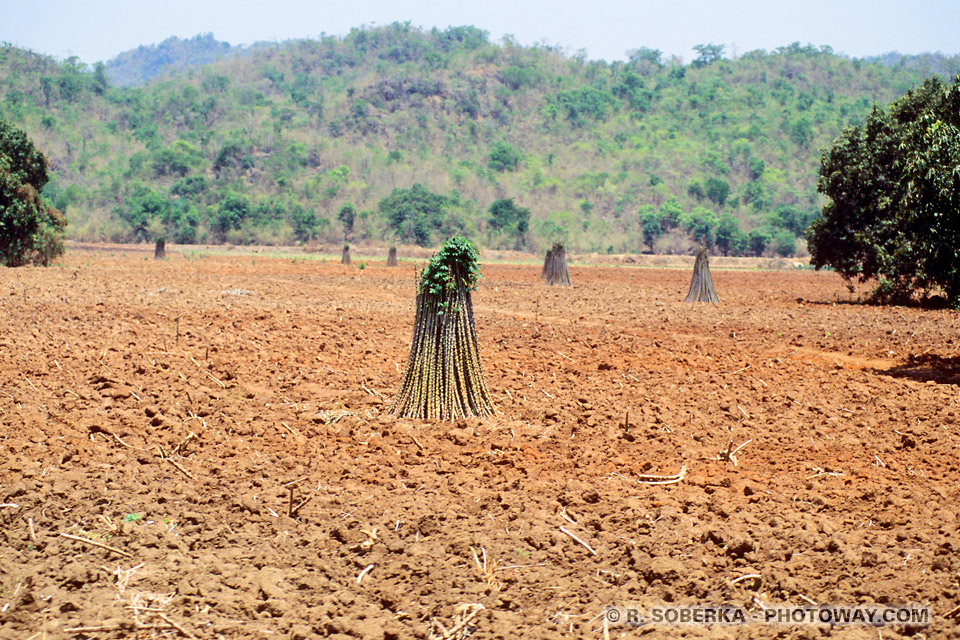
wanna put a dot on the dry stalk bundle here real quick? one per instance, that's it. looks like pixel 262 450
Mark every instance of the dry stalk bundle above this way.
pixel 555 266
pixel 546 264
pixel 701 286
pixel 443 379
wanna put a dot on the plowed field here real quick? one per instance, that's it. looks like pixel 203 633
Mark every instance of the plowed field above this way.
pixel 199 447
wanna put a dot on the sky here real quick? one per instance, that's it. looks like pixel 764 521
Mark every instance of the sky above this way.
pixel 95 30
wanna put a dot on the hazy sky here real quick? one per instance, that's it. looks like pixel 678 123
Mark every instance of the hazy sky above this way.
pixel 99 29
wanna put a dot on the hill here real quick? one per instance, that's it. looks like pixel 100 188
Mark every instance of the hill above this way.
pixel 421 131
pixel 144 64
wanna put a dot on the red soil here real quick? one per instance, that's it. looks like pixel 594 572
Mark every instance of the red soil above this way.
pixel 180 411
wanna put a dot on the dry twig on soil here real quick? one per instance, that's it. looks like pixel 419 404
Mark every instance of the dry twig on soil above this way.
pixel 727 454
pixel 459 631
pixel 364 572
pixel 574 536
pixel 486 571
pixel 655 479
pixel 97 544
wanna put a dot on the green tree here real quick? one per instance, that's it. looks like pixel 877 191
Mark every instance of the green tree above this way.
pixel 346 216
pixel 99 83
pixel 151 216
pixel 730 239
pixel 785 242
pixel 305 223
pixel 717 190
pixel 142 207
pixel 189 187
pixel 586 102
pixel 755 194
pixel 30 229
pixel 177 159
pixel 670 213
pixel 645 60
pixel 507 217
pixel 758 239
pixel 231 213
pixel 414 213
pixel 650 225
pixel 700 223
pixel 894 197
pixel 790 218
pixel 504 157
pixel 707 54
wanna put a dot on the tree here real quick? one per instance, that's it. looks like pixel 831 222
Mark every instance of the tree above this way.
pixel 99 83
pixel 346 216
pixel 444 379
pixel 786 243
pixel 503 157
pixel 507 217
pixel 586 102
pixel 730 239
pixel 645 60
pixel 700 223
pixel 894 197
pixel 650 225
pixel 305 222
pixel 151 216
pixel 30 229
pixel 414 213
pixel 231 213
pixel 177 159
pixel 717 190
pixel 708 54
pixel 670 213
pixel 757 240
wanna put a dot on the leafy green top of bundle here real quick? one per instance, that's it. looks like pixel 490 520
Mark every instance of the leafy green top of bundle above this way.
pixel 456 264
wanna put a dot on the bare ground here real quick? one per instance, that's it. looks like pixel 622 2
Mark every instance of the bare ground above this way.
pixel 199 447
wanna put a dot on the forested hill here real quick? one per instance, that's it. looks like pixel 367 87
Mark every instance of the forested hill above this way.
pixel 400 133
pixel 139 66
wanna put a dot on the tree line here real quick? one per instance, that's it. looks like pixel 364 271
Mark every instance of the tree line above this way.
pixel 521 146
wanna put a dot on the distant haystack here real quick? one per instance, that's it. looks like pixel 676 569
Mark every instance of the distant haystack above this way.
pixel 701 286
pixel 546 263
pixel 555 266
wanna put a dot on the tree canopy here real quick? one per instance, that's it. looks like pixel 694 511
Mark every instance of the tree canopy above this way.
pixel 506 217
pixel 894 190
pixel 414 213
pixel 30 229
